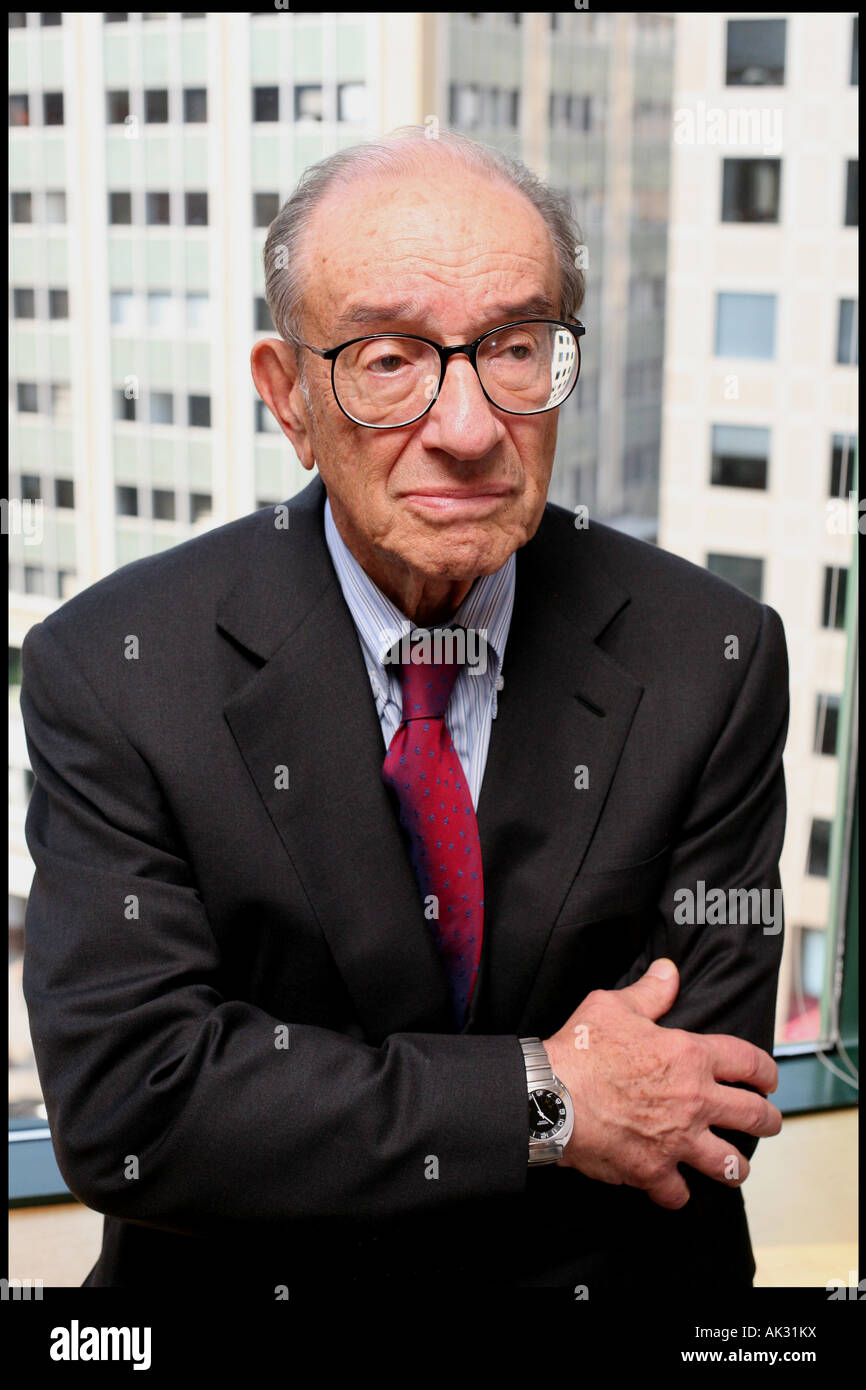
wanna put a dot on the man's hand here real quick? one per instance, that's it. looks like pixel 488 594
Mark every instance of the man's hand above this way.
pixel 645 1096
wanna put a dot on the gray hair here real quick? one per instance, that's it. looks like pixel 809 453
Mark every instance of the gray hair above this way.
pixel 403 151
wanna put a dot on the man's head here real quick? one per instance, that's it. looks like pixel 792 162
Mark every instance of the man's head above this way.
pixel 466 240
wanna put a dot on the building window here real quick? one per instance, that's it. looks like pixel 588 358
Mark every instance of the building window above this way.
pixel 746 571
pixel 50 18
pixel 852 181
pixel 464 105
pixel 123 313
pixel 352 102
pixel 161 408
pixel 58 304
pixel 195 105
pixel 19 109
pixel 847 347
pixel 746 325
pixel 309 103
pixel 756 53
pixel 27 396
pixel 855 79
pixel 22 207
pixel 61 400
pixel 64 492
pixel 750 190
pixel 835 591
pixel 156 106
pixel 17 19
pixel 52 108
pixel 124 405
pixel 158 209
pixel 740 456
pixel 162 310
pixel 120 209
pixel 195 208
pixel 14 666
pixel 24 304
pixel 265 208
pixel 115 18
pixel 262 315
pixel 116 107
pixel 199 411
pixel 200 506
pixel 31 487
pixel 197 312
pixel 266 103
pixel 818 858
pixel 162 504
pixel 55 208
pixel 827 724
pixel 265 422
pixel 34 580
pixel 842 457
pixel 126 500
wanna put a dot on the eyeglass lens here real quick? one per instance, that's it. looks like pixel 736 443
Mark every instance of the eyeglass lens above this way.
pixel 525 368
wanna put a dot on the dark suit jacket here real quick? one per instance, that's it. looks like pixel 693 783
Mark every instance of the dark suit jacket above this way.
pixel 186 905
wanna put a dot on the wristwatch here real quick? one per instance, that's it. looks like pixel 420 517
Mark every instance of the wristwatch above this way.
pixel 551 1113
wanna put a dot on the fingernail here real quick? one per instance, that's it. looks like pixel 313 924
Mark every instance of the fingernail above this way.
pixel 662 969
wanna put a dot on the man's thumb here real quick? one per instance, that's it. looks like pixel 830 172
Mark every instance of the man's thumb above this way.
pixel 654 993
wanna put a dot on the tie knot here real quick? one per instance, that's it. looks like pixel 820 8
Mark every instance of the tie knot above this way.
pixel 427 688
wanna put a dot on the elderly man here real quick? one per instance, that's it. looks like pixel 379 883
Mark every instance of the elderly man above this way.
pixel 351 959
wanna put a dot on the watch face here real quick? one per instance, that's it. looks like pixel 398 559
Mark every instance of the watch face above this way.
pixel 547 1114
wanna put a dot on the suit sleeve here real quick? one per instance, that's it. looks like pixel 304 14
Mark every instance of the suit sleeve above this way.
pixel 732 839
pixel 174 1105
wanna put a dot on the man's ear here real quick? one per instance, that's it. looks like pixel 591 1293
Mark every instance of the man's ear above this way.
pixel 275 373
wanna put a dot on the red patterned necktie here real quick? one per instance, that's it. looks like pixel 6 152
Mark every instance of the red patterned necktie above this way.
pixel 423 769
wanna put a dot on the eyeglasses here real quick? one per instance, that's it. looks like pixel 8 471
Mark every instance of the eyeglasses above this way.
pixel 387 380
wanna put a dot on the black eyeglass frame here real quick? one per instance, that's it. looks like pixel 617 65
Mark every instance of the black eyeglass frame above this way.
pixel 575 327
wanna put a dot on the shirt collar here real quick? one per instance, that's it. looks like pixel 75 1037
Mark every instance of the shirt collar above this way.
pixel 486 608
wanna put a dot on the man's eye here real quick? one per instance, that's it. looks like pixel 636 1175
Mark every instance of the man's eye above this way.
pixel 389 358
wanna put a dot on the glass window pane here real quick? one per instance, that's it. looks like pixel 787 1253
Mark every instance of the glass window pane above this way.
pixel 746 325
pixel 195 104
pixel 158 209
pixel 847 350
pixel 55 208
pixel 197 311
pixel 265 208
pixel 126 500
pixel 266 103
pixel 58 304
pixel 756 52
pixel 352 101
pixel 120 209
pixel 161 309
pixel 162 502
pixel 161 410
pixel 740 456
pixel 852 182
pixel 746 571
pixel 750 190
pixel 52 108
pixel 199 411
pixel 116 107
pixel 195 209
pixel 24 304
pixel 308 103
pixel 156 105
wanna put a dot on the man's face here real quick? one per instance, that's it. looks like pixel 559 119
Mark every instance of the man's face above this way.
pixel 451 496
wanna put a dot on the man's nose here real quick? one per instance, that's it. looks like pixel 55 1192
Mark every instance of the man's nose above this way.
pixel 462 420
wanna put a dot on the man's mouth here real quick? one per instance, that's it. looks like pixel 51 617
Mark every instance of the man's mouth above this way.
pixel 458 501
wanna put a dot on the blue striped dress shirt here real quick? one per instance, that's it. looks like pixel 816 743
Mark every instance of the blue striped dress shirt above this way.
pixel 379 623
